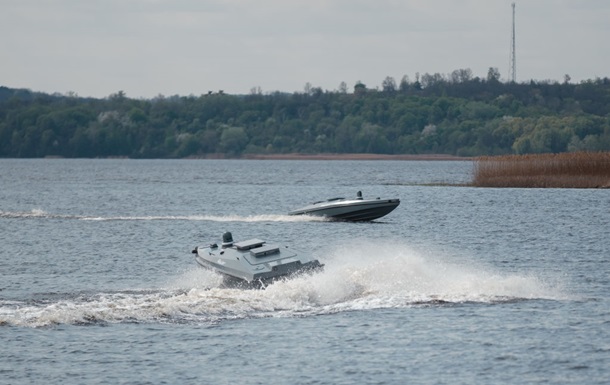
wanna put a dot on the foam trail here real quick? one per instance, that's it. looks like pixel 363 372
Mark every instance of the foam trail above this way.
pixel 362 275
pixel 35 213
pixel 41 214
pixel 395 275
pixel 217 218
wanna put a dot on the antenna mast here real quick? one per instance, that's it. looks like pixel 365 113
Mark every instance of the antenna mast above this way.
pixel 513 55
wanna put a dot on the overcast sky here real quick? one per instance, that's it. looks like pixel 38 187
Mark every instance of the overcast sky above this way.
pixel 148 48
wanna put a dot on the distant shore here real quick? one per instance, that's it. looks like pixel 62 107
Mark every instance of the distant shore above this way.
pixel 295 156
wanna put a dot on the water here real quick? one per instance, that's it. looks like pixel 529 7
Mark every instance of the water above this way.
pixel 458 285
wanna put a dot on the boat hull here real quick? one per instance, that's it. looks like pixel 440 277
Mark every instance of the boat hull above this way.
pixel 350 210
pixel 232 280
pixel 254 263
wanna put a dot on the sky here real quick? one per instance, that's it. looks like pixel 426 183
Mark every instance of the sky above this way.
pixel 149 48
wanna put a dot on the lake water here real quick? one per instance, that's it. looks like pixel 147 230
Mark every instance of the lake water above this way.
pixel 458 285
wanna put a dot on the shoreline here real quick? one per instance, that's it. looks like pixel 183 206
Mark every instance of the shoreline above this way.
pixel 297 156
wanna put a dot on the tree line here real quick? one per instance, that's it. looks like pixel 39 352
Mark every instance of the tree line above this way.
pixel 457 114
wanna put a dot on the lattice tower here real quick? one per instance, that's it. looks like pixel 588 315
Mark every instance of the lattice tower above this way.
pixel 512 69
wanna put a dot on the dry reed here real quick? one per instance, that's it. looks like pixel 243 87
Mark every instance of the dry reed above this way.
pixel 564 170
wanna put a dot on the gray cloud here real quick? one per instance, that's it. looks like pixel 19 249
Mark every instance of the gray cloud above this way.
pixel 150 47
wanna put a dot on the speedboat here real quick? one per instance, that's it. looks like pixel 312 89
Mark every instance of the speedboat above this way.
pixel 356 209
pixel 253 262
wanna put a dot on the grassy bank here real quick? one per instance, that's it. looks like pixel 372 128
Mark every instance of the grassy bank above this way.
pixel 564 170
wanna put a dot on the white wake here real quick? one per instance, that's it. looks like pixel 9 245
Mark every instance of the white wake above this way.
pixel 361 276
pixel 41 214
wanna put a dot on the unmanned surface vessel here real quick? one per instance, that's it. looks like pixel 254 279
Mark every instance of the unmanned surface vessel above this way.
pixel 356 209
pixel 253 262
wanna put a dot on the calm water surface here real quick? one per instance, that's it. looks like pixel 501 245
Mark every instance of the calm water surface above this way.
pixel 458 285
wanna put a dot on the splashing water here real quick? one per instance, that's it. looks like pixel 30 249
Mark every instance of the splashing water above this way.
pixel 360 276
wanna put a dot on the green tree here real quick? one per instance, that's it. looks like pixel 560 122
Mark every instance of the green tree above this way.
pixel 233 140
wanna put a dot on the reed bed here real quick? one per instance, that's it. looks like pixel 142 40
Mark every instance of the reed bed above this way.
pixel 564 170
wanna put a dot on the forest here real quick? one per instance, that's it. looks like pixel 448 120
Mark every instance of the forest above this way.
pixel 456 114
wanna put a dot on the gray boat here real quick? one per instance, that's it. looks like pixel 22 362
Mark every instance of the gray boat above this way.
pixel 355 209
pixel 253 262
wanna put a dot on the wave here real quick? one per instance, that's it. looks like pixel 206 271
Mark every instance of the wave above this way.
pixel 362 276
pixel 41 214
